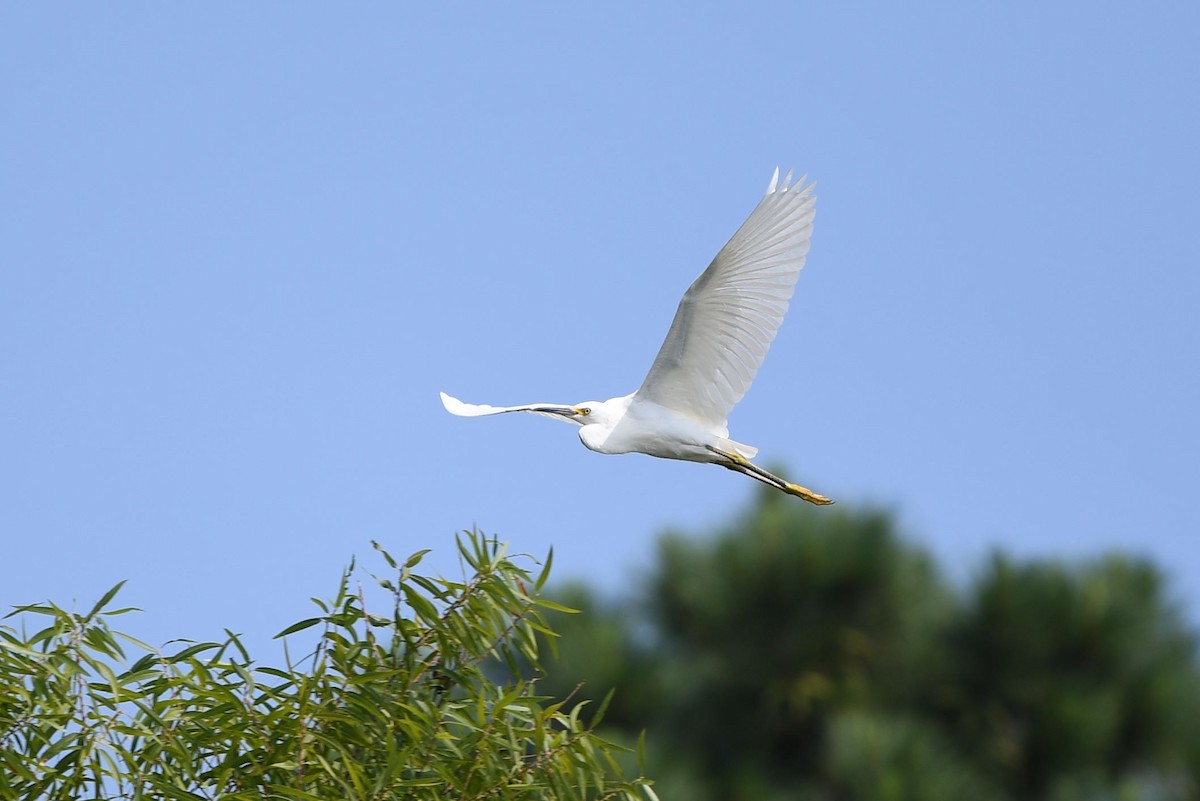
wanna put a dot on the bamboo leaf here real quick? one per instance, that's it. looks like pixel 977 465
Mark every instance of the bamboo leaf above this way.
pixel 300 626
pixel 104 599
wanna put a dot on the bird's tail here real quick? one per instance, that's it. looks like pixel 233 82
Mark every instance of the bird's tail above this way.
pixel 747 451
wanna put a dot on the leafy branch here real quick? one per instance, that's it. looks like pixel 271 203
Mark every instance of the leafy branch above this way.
pixel 385 706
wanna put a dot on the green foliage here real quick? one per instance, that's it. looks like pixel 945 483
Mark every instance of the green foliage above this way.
pixel 1073 676
pixel 779 624
pixel 799 654
pixel 896 757
pixel 387 706
pixel 598 651
pixel 813 654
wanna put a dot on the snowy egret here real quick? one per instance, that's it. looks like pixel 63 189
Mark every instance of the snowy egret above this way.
pixel 719 337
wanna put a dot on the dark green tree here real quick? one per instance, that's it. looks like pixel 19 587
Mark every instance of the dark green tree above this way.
pixel 814 654
pixel 1070 678
pixel 744 650
pixel 777 625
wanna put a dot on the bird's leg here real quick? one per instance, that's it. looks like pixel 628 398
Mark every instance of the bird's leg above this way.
pixel 740 464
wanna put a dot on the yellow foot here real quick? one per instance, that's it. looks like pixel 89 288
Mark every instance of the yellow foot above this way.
pixel 806 494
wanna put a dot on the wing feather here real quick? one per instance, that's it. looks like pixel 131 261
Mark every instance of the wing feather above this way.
pixel 729 316
pixel 558 411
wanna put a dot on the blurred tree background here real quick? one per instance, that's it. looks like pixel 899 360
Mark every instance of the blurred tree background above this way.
pixel 815 654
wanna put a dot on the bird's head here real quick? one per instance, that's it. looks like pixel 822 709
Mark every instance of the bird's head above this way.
pixel 588 412
pixel 606 413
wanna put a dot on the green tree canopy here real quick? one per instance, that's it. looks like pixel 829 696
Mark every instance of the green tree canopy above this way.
pixel 803 653
pixel 1065 678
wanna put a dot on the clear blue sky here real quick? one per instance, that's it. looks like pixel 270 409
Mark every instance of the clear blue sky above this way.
pixel 242 247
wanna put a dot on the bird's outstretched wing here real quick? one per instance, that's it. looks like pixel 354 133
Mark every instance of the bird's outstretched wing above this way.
pixel 730 314
pixel 558 411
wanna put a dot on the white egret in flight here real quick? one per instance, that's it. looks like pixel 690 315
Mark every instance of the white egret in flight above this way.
pixel 721 332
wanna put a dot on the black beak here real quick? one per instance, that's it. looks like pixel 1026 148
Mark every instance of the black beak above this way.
pixel 564 411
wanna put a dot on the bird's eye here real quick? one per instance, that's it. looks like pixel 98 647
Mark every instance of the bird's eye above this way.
pixel 585 411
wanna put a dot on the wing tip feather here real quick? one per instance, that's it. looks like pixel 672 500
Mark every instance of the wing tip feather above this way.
pixel 452 404
pixel 788 185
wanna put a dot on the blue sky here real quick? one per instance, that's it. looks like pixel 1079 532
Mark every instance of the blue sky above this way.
pixel 242 248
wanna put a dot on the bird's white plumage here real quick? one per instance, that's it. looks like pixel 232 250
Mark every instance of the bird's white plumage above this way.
pixel 731 313
pixel 717 341
pixel 455 406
